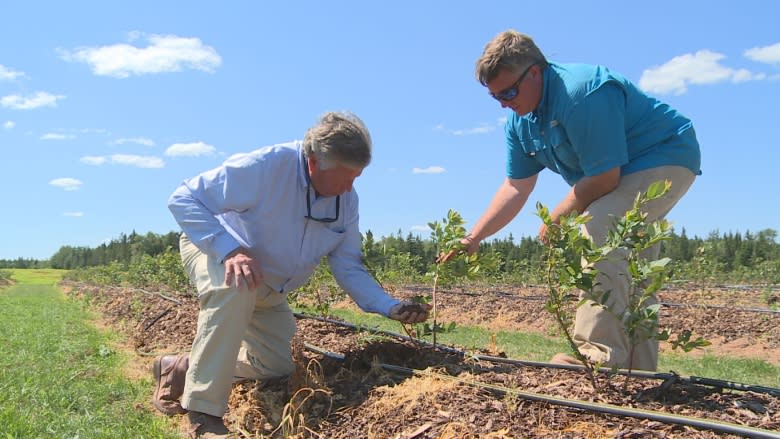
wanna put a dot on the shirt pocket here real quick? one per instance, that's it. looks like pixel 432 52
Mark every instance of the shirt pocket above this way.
pixel 533 147
pixel 322 241
pixel 561 150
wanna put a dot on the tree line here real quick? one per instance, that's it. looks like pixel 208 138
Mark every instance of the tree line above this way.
pixel 125 250
pixel 407 256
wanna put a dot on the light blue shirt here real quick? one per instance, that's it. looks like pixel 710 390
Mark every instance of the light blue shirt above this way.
pixel 257 201
pixel 590 120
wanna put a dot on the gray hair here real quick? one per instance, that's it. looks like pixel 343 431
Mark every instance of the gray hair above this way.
pixel 510 50
pixel 339 137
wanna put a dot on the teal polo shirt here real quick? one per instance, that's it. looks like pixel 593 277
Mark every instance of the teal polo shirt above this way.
pixel 590 120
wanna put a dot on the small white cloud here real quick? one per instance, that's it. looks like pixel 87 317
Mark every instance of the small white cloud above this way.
pixel 418 228
pixel 67 183
pixel 766 54
pixel 165 53
pixel 189 149
pixel 39 99
pixel 9 124
pixel 7 74
pixel 93 160
pixel 57 136
pixel 428 170
pixel 139 140
pixel 744 75
pixel 482 129
pixel 92 131
pixel 73 214
pixel 138 160
pixel 700 68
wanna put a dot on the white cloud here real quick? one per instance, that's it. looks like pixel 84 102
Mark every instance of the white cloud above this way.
pixel 418 228
pixel 428 170
pixel 766 54
pixel 165 53
pixel 73 214
pixel 9 124
pixel 7 74
pixel 92 131
pixel 189 149
pixel 138 160
pixel 700 68
pixel 57 136
pixel 124 159
pixel 67 183
pixel 744 75
pixel 139 140
pixel 93 160
pixel 481 129
pixel 40 99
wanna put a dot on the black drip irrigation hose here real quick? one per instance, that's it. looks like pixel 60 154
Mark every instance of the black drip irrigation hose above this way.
pixel 730 308
pixel 711 382
pixel 665 304
pixel 705 424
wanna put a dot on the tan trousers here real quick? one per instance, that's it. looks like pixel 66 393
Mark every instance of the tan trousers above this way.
pixel 598 334
pixel 240 334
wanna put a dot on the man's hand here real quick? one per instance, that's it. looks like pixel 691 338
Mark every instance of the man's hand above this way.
pixel 469 246
pixel 241 269
pixel 543 234
pixel 410 312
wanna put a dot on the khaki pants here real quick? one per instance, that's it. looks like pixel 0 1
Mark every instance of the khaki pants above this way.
pixel 598 334
pixel 241 334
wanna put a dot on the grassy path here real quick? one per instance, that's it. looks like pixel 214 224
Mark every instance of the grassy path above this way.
pixel 60 377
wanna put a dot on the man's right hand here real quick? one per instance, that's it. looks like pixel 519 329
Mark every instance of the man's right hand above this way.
pixel 241 269
pixel 469 246
pixel 410 312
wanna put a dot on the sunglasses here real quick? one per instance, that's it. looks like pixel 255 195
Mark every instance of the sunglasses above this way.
pixel 308 208
pixel 510 93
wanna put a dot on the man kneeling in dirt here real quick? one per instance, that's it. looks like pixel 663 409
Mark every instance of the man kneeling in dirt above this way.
pixel 254 229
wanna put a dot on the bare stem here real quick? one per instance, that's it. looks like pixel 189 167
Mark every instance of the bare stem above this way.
pixel 433 296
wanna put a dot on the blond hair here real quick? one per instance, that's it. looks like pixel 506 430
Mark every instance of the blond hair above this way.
pixel 509 50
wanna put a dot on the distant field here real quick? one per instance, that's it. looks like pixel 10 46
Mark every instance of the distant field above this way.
pixel 36 276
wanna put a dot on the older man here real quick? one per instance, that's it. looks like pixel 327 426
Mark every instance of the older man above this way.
pixel 254 229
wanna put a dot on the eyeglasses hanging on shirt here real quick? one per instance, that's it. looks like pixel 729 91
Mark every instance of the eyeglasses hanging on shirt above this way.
pixel 308 207
pixel 308 199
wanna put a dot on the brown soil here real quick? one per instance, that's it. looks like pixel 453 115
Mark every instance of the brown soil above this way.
pixel 357 397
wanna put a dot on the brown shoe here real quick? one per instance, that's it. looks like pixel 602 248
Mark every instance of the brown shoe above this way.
pixel 565 359
pixel 205 426
pixel 170 372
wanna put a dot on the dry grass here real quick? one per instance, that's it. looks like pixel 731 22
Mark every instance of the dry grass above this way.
pixel 410 393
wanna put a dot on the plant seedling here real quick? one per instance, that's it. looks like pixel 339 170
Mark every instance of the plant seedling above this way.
pixel 571 265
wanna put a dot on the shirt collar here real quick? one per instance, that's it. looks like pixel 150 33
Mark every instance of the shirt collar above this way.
pixel 533 116
pixel 303 168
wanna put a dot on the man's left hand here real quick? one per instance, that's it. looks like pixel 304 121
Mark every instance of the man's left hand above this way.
pixel 410 312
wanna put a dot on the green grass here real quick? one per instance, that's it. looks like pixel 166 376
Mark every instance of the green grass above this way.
pixel 536 347
pixel 37 276
pixel 59 376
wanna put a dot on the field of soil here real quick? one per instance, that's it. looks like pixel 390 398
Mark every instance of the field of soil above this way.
pixel 376 386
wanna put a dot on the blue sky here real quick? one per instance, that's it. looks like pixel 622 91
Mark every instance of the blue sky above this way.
pixel 106 106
